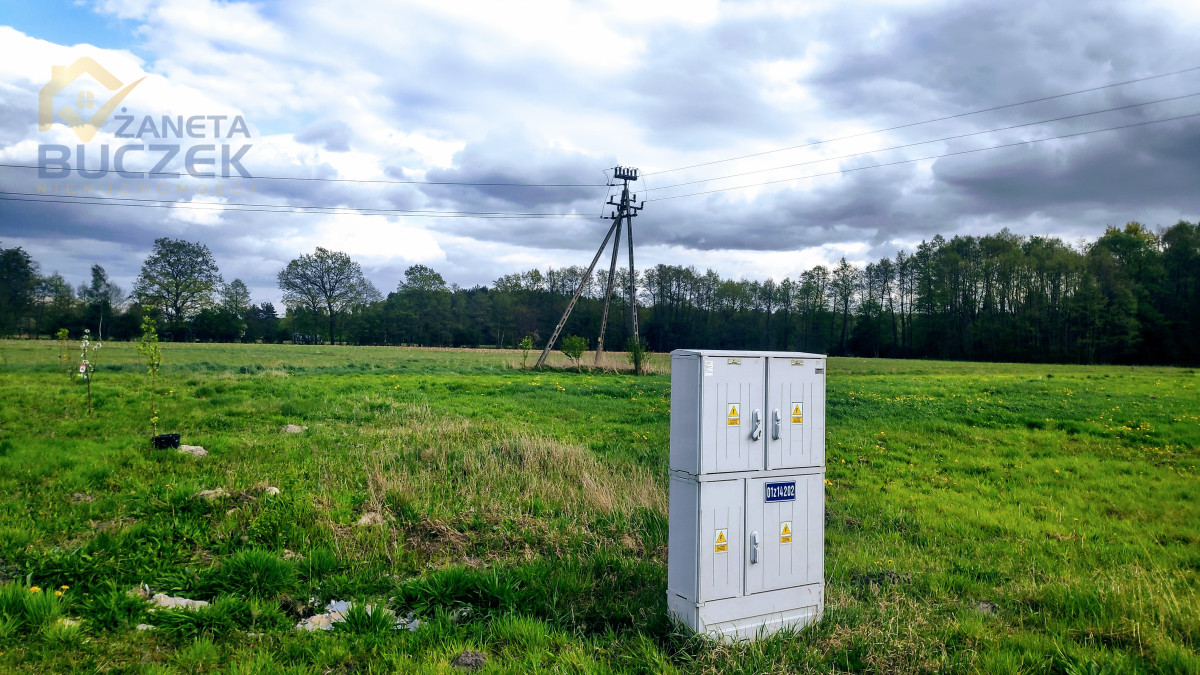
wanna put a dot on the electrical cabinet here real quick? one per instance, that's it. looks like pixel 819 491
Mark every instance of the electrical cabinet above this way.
pixel 747 491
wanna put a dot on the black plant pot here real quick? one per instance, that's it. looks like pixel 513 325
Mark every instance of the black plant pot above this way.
pixel 164 441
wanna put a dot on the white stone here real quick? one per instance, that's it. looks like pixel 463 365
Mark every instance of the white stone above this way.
pixel 294 429
pixel 168 602
pixel 193 450
pixel 211 495
pixel 370 518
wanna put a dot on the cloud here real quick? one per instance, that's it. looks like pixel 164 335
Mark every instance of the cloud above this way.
pixel 556 93
pixel 333 135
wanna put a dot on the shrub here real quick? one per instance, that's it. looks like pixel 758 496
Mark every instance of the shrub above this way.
pixel 574 347
pixel 636 347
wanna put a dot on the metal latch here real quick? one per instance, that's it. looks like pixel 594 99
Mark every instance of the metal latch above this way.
pixel 753 547
pixel 756 429
pixel 776 424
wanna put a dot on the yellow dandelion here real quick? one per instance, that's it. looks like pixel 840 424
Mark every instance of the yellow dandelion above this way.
pixel 64 587
pixel 58 593
pixel 35 589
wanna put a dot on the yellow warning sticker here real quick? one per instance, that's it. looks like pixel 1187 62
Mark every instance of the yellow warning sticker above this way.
pixel 785 532
pixel 732 417
pixel 722 543
pixel 797 413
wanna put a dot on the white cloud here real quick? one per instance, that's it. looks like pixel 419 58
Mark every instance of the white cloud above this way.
pixel 546 90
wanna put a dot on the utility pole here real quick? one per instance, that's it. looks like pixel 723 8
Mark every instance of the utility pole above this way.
pixel 626 211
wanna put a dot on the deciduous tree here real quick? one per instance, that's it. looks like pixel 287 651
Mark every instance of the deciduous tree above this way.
pixel 178 278
pixel 327 280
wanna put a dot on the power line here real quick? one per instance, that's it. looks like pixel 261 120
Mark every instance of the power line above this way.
pixel 918 159
pixel 938 119
pixel 92 200
pixel 179 174
pixel 935 140
pixel 173 202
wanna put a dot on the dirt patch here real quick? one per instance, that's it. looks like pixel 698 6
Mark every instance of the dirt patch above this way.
pixel 111 525
pixel 436 539
pixel 296 608
pixel 469 660
pixel 874 581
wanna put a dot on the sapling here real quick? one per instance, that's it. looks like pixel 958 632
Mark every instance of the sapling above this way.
pixel 62 336
pixel 149 350
pixel 526 345
pixel 86 367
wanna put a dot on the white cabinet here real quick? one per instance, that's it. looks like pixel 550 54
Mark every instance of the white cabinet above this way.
pixel 747 491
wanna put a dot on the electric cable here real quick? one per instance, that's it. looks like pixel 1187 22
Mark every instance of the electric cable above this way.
pixel 93 200
pixel 919 159
pixel 935 140
pixel 938 119
pixel 180 174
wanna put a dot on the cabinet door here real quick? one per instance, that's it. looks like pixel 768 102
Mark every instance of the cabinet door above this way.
pixel 785 522
pixel 795 413
pixel 733 422
pixel 721 552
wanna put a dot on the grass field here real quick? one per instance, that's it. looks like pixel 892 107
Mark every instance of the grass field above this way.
pixel 980 517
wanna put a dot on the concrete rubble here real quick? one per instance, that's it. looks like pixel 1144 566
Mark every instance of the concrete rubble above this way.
pixel 171 602
pixel 335 612
pixel 164 601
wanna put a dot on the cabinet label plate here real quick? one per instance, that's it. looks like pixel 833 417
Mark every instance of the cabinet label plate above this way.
pixel 781 492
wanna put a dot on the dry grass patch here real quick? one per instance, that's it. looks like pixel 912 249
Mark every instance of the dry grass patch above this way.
pixel 516 473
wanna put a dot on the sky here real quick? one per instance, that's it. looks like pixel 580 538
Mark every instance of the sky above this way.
pixel 766 133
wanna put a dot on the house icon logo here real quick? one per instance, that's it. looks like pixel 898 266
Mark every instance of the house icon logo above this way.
pixel 85 101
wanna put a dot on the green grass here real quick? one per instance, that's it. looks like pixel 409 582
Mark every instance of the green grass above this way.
pixel 980 517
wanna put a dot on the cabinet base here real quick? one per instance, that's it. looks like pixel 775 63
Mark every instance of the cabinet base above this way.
pixel 753 616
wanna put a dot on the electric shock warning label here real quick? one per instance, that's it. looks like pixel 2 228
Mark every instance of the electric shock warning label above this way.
pixel 785 532
pixel 732 417
pixel 797 413
pixel 722 541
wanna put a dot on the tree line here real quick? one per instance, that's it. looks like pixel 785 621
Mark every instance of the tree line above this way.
pixel 1132 296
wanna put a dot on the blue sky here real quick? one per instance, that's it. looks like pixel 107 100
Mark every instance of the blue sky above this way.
pixel 68 23
pixel 548 92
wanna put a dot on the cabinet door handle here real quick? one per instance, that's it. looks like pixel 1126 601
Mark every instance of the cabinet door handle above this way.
pixel 753 547
pixel 756 429
pixel 776 424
